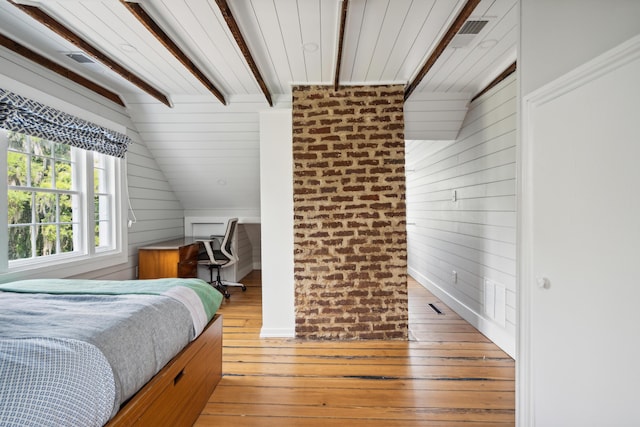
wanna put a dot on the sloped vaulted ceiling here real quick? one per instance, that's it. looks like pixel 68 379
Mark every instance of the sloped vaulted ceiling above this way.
pixel 196 138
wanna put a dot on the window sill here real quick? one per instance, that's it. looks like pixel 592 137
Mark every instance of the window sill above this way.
pixel 63 268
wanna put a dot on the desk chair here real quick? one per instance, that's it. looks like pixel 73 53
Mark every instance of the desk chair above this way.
pixel 220 258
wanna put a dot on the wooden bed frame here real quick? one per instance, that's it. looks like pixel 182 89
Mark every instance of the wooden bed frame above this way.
pixel 177 394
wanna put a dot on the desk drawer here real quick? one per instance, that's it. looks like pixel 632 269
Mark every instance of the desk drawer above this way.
pixel 188 268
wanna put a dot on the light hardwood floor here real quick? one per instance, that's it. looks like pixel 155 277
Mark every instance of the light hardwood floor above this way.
pixel 447 375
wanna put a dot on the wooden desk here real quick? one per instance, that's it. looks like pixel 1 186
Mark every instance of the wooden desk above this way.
pixel 172 258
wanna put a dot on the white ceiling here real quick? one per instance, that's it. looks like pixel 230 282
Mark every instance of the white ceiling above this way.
pixel 292 42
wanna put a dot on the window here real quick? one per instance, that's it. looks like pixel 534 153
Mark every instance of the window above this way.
pixel 62 201
pixel 103 196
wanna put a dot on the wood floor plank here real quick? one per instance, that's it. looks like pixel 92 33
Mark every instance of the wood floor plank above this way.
pixel 331 421
pixel 374 371
pixel 382 412
pixel 371 398
pixel 368 361
pixel 447 375
pixel 365 354
pixel 280 342
pixel 301 383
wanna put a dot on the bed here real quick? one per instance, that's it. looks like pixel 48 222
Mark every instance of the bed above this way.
pixel 115 353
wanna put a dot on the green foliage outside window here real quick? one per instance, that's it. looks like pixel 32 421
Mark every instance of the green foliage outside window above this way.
pixel 40 218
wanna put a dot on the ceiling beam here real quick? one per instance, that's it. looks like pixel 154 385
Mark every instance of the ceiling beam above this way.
pixel 464 14
pixel 506 73
pixel 341 30
pixel 170 45
pixel 58 28
pixel 58 69
pixel 242 44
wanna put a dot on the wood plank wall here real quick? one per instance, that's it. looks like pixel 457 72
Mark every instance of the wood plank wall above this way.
pixel 158 211
pixel 245 251
pixel 473 235
pixel 221 155
pixel 434 115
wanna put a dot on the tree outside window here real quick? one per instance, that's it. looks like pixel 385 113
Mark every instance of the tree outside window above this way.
pixel 45 198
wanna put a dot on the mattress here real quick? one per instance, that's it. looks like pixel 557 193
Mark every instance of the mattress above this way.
pixel 132 327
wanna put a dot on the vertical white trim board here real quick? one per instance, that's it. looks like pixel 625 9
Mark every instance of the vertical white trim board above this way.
pixel 276 207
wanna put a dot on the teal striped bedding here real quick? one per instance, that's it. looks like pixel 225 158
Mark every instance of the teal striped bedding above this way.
pixel 138 326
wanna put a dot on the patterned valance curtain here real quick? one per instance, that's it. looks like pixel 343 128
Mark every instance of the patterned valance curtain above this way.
pixel 24 115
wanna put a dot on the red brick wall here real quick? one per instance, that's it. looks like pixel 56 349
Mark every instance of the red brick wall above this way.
pixel 350 255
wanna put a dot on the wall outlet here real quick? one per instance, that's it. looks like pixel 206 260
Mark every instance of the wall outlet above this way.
pixel 454 276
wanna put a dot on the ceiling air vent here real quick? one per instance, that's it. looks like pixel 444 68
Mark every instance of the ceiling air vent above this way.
pixel 80 57
pixel 472 27
pixel 467 33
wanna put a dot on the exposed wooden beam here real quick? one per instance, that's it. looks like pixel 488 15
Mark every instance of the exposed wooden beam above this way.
pixel 242 44
pixel 343 20
pixel 506 73
pixel 50 22
pixel 170 45
pixel 442 45
pixel 59 69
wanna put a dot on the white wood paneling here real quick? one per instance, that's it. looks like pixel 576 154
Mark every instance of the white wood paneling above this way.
pixel 201 29
pixel 268 39
pixel 435 116
pixel 471 68
pixel 199 142
pixel 374 16
pixel 209 153
pixel 253 231
pixel 24 29
pixel 158 213
pixel 472 232
pixel 329 23
pixel 245 253
pixel 109 26
pixel 396 15
pixel 385 41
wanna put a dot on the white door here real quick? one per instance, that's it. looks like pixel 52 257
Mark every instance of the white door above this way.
pixel 580 277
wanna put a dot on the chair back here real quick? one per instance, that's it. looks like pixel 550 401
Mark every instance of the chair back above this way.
pixel 227 240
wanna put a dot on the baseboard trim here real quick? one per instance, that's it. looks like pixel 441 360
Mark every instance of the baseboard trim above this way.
pixel 243 271
pixel 277 333
pixel 488 328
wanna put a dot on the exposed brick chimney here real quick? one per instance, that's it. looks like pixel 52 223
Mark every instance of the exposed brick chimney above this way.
pixel 350 254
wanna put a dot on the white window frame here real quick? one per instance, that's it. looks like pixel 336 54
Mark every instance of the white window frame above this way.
pixel 89 257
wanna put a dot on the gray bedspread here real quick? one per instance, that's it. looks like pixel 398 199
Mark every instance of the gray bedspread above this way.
pixel 72 387
pixel 136 333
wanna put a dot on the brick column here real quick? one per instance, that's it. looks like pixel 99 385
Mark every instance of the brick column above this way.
pixel 350 255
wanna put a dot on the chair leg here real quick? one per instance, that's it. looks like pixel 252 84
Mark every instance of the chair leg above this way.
pixel 217 284
pixel 226 284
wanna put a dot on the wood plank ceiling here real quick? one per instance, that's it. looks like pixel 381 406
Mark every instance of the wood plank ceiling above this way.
pixel 248 53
